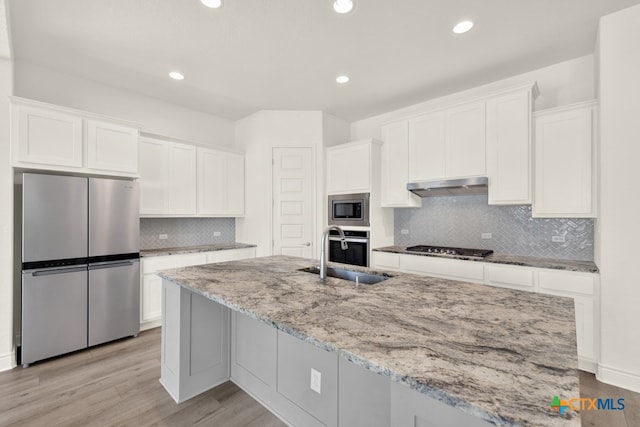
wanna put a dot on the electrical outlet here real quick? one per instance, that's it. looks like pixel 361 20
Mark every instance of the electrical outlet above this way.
pixel 486 236
pixel 404 231
pixel 558 239
pixel 163 236
pixel 316 381
pixel 216 234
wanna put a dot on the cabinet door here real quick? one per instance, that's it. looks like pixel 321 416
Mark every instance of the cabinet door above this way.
pixel 465 148
pixel 212 182
pixel 427 142
pixel 112 147
pixel 154 177
pixel 47 137
pixel 235 185
pixel 563 181
pixel 182 179
pixel 349 169
pixel 509 149
pixel 151 298
pixel 364 397
pixel 394 170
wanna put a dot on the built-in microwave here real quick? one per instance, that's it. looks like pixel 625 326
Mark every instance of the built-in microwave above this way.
pixel 349 209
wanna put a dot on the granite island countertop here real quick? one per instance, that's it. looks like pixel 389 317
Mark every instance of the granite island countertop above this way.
pixel 527 261
pixel 193 249
pixel 498 354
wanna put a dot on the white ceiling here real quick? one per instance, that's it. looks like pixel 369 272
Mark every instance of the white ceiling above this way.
pixel 251 55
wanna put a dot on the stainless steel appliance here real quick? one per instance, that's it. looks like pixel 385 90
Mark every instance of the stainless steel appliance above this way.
pixel 80 263
pixel 357 252
pixel 445 250
pixel 450 187
pixel 349 209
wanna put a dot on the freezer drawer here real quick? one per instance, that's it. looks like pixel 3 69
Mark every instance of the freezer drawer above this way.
pixel 114 222
pixel 54 312
pixel 114 301
pixel 54 223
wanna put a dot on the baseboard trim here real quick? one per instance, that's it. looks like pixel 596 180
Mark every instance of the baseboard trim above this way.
pixel 618 378
pixel 7 361
pixel 150 324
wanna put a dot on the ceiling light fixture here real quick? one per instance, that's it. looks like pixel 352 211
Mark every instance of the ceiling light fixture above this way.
pixel 462 27
pixel 343 6
pixel 342 80
pixel 175 75
pixel 213 4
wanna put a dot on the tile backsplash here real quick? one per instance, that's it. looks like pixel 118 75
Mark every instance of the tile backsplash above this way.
pixel 459 221
pixel 185 232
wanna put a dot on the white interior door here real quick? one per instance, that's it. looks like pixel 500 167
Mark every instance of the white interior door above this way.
pixel 293 202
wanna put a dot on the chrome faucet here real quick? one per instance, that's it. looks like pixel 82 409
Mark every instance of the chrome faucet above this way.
pixel 323 245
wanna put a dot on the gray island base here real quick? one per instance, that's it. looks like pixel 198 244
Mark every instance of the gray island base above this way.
pixel 408 351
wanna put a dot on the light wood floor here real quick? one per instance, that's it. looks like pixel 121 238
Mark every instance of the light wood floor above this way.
pixel 117 385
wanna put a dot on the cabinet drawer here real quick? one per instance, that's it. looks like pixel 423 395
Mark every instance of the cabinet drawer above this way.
pixel 442 267
pixel 566 283
pixel 509 277
pixel 297 361
pixel 386 260
pixel 153 264
pixel 187 260
pixel 230 255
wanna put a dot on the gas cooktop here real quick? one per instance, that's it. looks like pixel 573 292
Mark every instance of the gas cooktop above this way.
pixel 443 250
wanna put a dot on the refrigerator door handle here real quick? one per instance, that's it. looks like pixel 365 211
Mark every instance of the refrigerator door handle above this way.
pixel 111 265
pixel 58 271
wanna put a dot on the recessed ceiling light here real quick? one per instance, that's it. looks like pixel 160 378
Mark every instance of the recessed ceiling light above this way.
pixel 213 4
pixel 175 75
pixel 342 79
pixel 462 27
pixel 343 6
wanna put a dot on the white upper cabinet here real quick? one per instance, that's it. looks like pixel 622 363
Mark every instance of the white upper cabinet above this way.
pixel 564 146
pixel 182 179
pixel 448 143
pixel 465 147
pixel 349 168
pixel 220 183
pixel 427 147
pixel 154 181
pixel 394 168
pixel 112 147
pixel 50 137
pixel 509 147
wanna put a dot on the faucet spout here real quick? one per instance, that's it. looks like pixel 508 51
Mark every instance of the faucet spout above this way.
pixel 323 246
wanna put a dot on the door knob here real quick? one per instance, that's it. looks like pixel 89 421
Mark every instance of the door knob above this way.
pixel 307 244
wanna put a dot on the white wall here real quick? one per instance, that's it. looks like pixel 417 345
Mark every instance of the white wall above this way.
pixel 619 87
pixel 156 116
pixel 559 84
pixel 256 135
pixel 6 223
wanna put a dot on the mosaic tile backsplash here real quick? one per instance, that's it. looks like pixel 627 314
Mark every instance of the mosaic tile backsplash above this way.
pixel 185 232
pixel 459 221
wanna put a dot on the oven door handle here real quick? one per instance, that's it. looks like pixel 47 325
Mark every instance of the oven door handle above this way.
pixel 350 239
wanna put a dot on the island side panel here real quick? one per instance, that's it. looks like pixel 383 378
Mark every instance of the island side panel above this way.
pixel 195 343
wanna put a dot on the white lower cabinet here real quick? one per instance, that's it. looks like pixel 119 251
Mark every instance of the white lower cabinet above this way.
pixel 151 284
pixel 364 397
pixel 582 287
pixel 413 409
pixel 195 343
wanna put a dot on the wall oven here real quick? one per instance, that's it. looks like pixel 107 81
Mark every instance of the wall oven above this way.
pixel 349 209
pixel 357 252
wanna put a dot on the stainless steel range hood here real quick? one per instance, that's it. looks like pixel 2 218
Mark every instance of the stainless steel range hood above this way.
pixel 450 187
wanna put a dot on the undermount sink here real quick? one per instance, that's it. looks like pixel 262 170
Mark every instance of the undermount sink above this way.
pixel 351 275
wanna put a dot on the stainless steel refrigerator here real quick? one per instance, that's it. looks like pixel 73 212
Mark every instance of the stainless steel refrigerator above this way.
pixel 80 263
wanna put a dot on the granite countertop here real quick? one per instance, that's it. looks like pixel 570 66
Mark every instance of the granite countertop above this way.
pixel 555 264
pixel 498 354
pixel 194 249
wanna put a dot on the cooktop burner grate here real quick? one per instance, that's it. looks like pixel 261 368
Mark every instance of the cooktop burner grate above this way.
pixel 444 250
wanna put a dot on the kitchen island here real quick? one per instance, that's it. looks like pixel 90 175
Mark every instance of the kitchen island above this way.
pixel 498 356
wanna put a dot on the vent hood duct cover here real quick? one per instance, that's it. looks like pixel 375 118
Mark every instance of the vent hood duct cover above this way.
pixel 450 187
